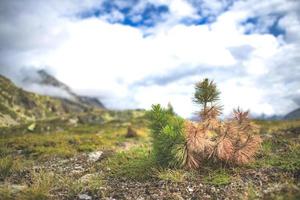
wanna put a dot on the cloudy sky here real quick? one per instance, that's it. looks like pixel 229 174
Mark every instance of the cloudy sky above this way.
pixel 133 53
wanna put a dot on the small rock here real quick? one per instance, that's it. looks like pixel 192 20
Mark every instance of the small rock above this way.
pixel 19 152
pixel 86 178
pixel 78 167
pixel 84 197
pixel 213 189
pixel 73 121
pixel 17 188
pixel 131 132
pixel 95 156
pixel 190 189
pixel 177 196
pixel 31 127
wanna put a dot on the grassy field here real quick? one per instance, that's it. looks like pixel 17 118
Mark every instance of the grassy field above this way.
pixel 57 164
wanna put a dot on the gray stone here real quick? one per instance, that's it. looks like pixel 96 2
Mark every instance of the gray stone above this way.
pixel 95 156
pixel 84 197
pixel 86 178
pixel 17 188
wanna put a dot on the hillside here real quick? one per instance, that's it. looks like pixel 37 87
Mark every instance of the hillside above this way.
pixel 19 106
pixel 293 115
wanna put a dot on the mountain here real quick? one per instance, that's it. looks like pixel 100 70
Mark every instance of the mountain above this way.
pixel 293 115
pixel 18 106
pixel 43 79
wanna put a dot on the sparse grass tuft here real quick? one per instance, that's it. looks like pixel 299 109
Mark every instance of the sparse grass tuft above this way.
pixel 95 185
pixel 251 193
pixel 8 166
pixel 176 176
pixel 6 193
pixel 41 188
pixel 71 186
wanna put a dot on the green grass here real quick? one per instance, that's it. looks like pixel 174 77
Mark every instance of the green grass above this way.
pixel 269 126
pixel 285 191
pixel 280 152
pixel 63 144
pixel 19 152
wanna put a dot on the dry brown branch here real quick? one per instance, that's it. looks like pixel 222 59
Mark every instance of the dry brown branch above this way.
pixel 246 153
pixel 240 116
pixel 198 144
pixel 224 149
pixel 193 160
pixel 210 116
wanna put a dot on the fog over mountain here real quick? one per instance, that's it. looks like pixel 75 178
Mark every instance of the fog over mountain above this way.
pixel 135 53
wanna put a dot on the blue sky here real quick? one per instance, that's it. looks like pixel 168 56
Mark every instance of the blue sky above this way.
pixel 134 53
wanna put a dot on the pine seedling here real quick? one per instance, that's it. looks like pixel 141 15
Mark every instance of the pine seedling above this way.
pixel 206 92
pixel 180 143
pixel 168 137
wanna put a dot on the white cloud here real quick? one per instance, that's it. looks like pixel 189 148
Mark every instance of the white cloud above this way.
pixel 181 8
pixel 96 57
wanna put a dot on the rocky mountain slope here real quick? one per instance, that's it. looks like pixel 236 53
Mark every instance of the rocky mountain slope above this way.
pixel 43 79
pixel 18 106
pixel 293 115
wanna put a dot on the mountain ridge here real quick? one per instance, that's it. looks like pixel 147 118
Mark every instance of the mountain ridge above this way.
pixel 43 78
pixel 295 114
pixel 18 105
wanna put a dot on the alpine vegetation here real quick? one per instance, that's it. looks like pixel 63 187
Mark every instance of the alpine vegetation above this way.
pixel 182 143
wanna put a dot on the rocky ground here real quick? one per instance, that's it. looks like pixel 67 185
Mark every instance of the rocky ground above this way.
pixel 100 162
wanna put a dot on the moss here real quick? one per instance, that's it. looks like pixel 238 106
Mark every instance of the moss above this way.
pixel 44 153
pixel 87 147
pixel 218 178
pixel 135 164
